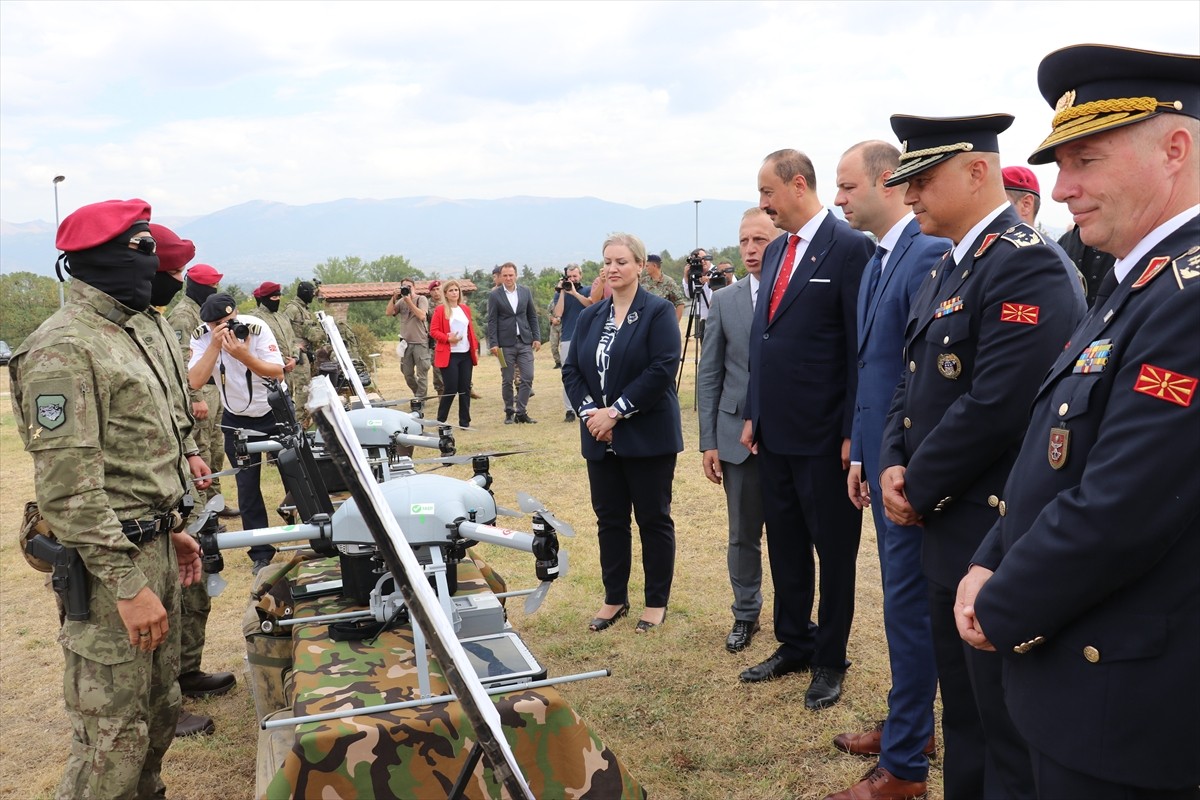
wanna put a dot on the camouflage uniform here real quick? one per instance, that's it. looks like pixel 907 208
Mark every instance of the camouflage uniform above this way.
pixel 308 332
pixel 183 319
pixel 666 288
pixel 93 409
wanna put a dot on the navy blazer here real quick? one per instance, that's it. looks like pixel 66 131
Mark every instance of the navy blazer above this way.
pixel 503 324
pixel 643 360
pixel 802 363
pixel 881 357
pixel 1095 599
pixel 980 337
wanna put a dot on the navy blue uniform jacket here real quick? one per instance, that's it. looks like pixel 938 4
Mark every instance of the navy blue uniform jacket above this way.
pixel 980 337
pixel 1096 596
pixel 642 364
pixel 803 372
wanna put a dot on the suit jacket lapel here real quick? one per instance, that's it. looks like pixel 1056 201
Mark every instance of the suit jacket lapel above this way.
pixel 808 265
pixel 894 259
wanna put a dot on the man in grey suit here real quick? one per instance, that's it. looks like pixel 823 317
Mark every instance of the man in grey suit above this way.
pixel 512 329
pixel 720 392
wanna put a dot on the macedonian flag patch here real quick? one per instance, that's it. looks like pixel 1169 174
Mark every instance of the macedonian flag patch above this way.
pixel 1166 385
pixel 1019 312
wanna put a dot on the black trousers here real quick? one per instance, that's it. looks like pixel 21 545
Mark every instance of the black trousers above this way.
pixel 250 500
pixel 643 485
pixel 806 508
pixel 456 380
pixel 1056 782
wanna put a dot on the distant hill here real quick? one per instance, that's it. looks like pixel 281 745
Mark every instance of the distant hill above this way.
pixel 259 240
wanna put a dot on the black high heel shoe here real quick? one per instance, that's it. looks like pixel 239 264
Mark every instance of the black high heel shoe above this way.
pixel 600 623
pixel 645 624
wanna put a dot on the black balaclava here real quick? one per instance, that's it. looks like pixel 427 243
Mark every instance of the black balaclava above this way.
pixel 124 274
pixel 271 305
pixel 306 291
pixel 164 288
pixel 199 292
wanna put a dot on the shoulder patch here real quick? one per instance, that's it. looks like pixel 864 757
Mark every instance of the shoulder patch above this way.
pixel 199 331
pixel 988 241
pixel 51 410
pixel 179 336
pixel 1187 266
pixel 255 329
pixel 1166 385
pixel 1022 236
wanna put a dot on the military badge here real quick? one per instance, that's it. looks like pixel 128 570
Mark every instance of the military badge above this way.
pixel 949 365
pixel 1165 385
pixel 51 410
pixel 1065 102
pixel 1019 312
pixel 987 242
pixel 1188 264
pixel 179 336
pixel 1022 236
pixel 1153 268
pixel 1095 358
pixel 1060 443
pixel 949 307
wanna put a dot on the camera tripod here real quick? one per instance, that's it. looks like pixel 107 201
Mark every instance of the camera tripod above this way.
pixel 699 297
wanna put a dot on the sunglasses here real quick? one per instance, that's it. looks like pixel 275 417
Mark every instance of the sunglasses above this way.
pixel 143 244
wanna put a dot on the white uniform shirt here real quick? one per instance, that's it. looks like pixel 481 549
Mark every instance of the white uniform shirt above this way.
pixel 242 392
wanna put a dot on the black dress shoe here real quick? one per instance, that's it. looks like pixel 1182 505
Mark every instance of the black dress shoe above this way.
pixel 645 624
pixel 190 724
pixel 825 689
pixel 206 684
pixel 774 667
pixel 600 623
pixel 508 418
pixel 525 419
pixel 739 638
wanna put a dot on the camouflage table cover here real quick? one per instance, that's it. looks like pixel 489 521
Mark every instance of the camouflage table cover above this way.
pixel 417 753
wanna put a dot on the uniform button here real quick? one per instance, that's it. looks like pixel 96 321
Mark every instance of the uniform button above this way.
pixel 1062 410
pixel 1091 654
pixel 993 501
pixel 912 366
pixel 945 340
pixel 1003 508
pixel 766 336
pixel 862 364
pixel 907 422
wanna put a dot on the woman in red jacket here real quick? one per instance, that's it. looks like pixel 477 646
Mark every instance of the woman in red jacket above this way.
pixel 455 351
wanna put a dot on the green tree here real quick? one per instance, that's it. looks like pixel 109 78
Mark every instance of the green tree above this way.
pixel 341 270
pixel 28 300
pixel 390 269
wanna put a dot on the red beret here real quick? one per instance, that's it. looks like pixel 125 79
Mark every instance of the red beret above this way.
pixel 173 253
pixel 268 289
pixel 98 223
pixel 433 285
pixel 1021 179
pixel 204 275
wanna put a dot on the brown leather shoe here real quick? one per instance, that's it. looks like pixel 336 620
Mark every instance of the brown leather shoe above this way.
pixel 871 743
pixel 879 784
pixel 190 724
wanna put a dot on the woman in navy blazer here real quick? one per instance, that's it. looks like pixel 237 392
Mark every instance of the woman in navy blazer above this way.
pixel 620 377
pixel 455 351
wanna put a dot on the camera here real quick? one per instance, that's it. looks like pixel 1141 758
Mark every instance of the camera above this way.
pixel 696 268
pixel 405 291
pixel 239 329
pixel 566 283
pixel 718 278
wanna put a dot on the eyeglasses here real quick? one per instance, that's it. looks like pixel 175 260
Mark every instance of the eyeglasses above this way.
pixel 143 244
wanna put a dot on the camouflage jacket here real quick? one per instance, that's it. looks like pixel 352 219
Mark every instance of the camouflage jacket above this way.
pixel 93 408
pixel 666 288
pixel 305 328
pixel 281 326
pixel 159 341
pixel 183 319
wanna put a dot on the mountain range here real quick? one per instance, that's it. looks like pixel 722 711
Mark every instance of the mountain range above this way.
pixel 261 240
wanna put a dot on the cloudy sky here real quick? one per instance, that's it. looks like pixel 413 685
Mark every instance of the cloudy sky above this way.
pixel 197 106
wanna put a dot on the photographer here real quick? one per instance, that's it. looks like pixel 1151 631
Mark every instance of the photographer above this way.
pixel 696 290
pixel 413 311
pixel 570 298
pixel 239 352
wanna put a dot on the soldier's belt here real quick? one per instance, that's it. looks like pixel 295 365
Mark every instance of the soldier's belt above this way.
pixel 144 531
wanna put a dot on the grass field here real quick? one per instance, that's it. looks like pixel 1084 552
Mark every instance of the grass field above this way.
pixel 673 710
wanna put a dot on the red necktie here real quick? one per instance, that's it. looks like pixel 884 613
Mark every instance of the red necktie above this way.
pixel 785 272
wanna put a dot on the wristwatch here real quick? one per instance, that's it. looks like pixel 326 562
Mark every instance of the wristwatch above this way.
pixel 613 413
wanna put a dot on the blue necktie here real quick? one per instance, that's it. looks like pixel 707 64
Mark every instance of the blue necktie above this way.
pixel 874 271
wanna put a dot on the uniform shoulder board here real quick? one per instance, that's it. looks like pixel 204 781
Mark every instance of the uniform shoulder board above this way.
pixel 1022 235
pixel 255 329
pixel 1187 267
pixel 199 331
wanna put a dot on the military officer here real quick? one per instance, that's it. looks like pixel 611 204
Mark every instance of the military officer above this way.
pixel 308 336
pixel 990 318
pixel 268 296
pixel 1090 587
pixel 200 284
pixel 93 409
pixel 195 605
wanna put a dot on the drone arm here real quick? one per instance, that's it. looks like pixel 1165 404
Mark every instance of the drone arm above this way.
pixel 490 534
pixel 283 533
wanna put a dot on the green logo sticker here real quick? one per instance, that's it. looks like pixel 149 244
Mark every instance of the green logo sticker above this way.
pixel 421 508
pixel 374 423
pixel 51 410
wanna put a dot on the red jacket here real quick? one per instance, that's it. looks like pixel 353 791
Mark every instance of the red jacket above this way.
pixel 439 329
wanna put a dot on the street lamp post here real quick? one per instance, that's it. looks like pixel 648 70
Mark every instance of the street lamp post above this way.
pixel 57 180
pixel 697 202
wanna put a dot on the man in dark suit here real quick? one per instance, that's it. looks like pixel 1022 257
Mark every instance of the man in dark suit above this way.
pixel 721 396
pixel 512 330
pixel 799 410
pixel 993 315
pixel 1090 586
pixel 903 258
